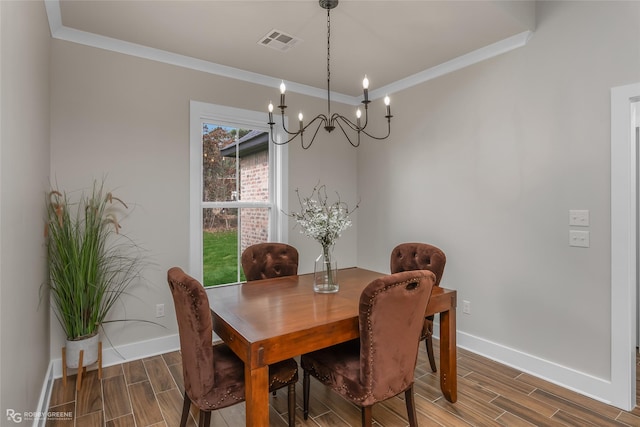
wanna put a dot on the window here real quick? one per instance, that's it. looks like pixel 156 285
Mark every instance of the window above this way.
pixel 237 190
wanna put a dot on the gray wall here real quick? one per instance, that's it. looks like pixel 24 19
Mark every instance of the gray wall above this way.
pixel 486 163
pixel 128 118
pixel 24 179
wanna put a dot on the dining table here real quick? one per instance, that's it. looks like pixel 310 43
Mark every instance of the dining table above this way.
pixel 270 320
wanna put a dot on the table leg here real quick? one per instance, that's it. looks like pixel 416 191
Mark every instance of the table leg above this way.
pixel 257 395
pixel 448 355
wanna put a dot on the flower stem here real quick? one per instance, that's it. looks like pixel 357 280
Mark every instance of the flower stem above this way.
pixel 327 264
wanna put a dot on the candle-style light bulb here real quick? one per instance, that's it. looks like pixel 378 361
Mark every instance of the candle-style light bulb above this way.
pixel 282 89
pixel 387 101
pixel 365 87
pixel 270 112
pixel 358 115
pixel 300 116
pixel 300 119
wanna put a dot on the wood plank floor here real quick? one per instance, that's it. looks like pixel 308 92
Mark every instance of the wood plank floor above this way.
pixel 148 393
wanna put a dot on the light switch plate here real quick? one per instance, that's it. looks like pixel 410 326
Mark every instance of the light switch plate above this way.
pixel 579 217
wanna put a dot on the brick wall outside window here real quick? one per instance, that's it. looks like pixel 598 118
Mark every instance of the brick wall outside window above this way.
pixel 254 186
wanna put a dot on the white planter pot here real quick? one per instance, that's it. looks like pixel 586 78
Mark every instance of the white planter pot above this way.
pixel 90 355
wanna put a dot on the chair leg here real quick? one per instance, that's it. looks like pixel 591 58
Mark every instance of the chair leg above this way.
pixel 432 360
pixel 185 410
pixel 367 418
pixel 205 419
pixel 411 407
pixel 291 392
pixel 306 382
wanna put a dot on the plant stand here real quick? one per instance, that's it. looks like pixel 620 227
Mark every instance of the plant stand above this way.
pixel 81 368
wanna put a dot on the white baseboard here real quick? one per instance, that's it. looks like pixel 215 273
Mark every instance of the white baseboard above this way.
pixel 580 382
pixel 45 397
pixel 128 352
pixel 110 356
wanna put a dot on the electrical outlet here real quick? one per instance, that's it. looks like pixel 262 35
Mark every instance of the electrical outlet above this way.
pixel 159 310
pixel 466 307
pixel 579 238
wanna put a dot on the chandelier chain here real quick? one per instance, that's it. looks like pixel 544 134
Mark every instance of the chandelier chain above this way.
pixel 330 121
pixel 329 62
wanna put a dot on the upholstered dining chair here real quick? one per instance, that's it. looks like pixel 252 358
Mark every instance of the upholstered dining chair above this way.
pixel 381 363
pixel 213 374
pixel 269 260
pixel 421 256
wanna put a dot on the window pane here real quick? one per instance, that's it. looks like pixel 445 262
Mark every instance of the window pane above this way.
pixel 229 167
pixel 235 166
pixel 220 257
pixel 229 154
pixel 254 166
pixel 218 169
pixel 254 225
pixel 220 254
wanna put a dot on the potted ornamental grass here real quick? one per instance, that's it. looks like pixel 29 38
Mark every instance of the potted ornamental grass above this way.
pixel 91 265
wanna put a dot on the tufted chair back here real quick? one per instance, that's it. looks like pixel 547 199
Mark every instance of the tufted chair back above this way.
pixel 213 374
pixel 382 362
pixel 391 318
pixel 421 256
pixel 195 331
pixel 268 260
pixel 418 256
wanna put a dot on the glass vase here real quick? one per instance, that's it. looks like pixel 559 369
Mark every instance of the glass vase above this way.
pixel 325 273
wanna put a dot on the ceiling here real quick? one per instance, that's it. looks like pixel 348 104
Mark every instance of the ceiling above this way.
pixel 395 43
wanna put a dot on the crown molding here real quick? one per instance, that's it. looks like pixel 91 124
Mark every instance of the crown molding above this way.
pixel 60 32
pixel 474 57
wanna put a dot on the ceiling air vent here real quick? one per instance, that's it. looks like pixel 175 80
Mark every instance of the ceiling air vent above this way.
pixel 279 40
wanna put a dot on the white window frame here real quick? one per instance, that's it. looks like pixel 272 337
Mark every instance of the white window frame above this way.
pixel 200 113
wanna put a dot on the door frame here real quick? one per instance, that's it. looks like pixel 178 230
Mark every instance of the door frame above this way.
pixel 623 247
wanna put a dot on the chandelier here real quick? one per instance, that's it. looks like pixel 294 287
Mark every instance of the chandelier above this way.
pixel 330 121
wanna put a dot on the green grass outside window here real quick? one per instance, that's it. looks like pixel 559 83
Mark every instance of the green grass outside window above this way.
pixel 220 258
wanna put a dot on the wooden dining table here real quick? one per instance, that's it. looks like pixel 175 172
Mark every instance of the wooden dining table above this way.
pixel 270 320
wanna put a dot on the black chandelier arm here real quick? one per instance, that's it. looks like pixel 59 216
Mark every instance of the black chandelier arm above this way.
pixel 337 118
pixel 314 134
pixel 380 138
pixel 320 118
pixel 338 122
pixel 284 127
pixel 330 121
pixel 283 142
pixel 354 126
pixel 341 119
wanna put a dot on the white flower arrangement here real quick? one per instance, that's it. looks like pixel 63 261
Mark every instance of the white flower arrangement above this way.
pixel 321 220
